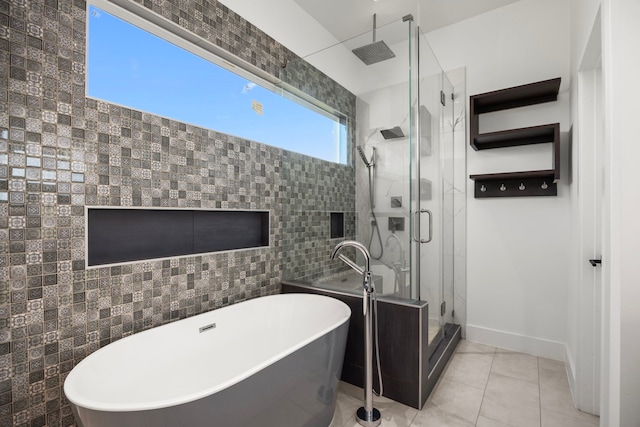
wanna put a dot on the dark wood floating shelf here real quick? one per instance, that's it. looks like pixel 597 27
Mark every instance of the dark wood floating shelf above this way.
pixel 516 137
pixel 517 96
pixel 548 174
pixel 515 184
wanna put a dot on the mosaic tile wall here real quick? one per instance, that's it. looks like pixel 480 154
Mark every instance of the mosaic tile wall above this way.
pixel 313 82
pixel 61 152
pixel 315 189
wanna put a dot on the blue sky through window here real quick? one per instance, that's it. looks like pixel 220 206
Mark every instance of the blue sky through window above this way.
pixel 133 68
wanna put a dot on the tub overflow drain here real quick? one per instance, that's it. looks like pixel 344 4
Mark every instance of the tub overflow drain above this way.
pixel 208 327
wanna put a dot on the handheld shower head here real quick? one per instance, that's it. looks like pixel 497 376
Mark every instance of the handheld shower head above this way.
pixel 364 157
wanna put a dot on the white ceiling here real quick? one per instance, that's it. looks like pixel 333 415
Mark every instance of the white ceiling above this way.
pixel 348 18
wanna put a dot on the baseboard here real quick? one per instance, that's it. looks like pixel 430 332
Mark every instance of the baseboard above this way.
pixel 531 345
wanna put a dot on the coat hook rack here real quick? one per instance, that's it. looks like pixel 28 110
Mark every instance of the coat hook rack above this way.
pixel 505 185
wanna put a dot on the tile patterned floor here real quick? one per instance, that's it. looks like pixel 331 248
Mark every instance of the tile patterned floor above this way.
pixel 482 386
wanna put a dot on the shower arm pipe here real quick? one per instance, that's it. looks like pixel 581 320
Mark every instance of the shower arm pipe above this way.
pixel 374 28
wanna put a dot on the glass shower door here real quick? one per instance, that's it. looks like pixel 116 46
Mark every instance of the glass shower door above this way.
pixel 447 159
pixel 432 185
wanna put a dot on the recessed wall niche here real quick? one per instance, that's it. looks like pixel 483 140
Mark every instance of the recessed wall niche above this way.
pixel 337 224
pixel 126 235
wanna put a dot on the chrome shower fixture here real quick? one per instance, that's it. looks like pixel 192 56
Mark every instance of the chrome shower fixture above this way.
pixel 375 52
pixel 368 163
pixel 375 230
pixel 393 133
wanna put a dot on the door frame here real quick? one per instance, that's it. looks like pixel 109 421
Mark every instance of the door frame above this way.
pixel 586 384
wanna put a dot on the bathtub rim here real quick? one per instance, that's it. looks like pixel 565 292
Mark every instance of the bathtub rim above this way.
pixel 75 396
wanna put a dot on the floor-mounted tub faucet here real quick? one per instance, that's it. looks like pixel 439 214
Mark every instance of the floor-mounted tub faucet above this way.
pixel 367 415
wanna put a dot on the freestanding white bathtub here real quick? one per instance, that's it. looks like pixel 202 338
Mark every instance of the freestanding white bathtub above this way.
pixel 273 361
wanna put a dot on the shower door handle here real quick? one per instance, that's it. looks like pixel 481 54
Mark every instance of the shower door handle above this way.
pixel 417 218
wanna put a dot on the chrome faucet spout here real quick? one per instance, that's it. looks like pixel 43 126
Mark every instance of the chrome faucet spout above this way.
pixel 351 264
pixel 353 244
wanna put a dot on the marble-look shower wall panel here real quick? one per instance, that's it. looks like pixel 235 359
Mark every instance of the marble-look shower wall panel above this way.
pixel 384 108
pixel 61 152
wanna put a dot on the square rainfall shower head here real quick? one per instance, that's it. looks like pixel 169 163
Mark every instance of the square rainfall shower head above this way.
pixel 374 52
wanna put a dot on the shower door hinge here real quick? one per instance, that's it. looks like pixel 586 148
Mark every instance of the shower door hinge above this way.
pixel 443 308
pixel 442 98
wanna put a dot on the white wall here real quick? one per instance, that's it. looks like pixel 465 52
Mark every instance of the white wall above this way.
pixel 583 13
pixel 518 250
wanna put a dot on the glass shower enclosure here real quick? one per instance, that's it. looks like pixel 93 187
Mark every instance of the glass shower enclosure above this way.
pixel 404 167
pixel 401 159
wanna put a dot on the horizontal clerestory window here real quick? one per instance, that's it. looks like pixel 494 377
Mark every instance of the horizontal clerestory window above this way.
pixel 166 75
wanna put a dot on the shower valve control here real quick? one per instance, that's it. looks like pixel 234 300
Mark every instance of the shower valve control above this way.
pixel 396 223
